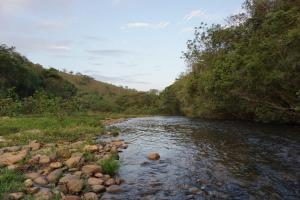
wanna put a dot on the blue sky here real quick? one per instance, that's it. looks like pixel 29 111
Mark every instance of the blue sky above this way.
pixel 134 43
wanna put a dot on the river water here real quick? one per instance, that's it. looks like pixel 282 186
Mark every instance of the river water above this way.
pixel 203 159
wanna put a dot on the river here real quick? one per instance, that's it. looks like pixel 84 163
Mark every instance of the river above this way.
pixel 204 159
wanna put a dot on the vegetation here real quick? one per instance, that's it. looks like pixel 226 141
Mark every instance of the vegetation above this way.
pixel 110 165
pixel 248 69
pixel 10 180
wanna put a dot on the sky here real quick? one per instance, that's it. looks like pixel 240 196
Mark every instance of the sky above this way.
pixel 134 43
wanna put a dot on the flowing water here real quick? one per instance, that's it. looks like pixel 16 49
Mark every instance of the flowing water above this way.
pixel 203 159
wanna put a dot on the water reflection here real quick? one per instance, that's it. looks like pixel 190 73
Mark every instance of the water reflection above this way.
pixel 209 160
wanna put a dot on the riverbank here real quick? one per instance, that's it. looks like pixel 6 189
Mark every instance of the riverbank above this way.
pixel 53 157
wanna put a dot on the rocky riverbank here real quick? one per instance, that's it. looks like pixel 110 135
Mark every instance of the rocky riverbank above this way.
pixel 66 170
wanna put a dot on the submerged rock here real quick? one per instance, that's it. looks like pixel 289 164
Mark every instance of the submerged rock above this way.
pixel 153 156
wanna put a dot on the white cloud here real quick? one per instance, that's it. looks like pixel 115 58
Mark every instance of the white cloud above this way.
pixel 159 25
pixel 59 47
pixel 193 14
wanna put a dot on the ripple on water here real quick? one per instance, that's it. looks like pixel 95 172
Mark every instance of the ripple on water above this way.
pixel 209 160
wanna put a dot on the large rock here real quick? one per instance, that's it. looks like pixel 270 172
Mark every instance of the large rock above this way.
pixel 32 175
pixel 55 175
pixel 16 195
pixel 44 159
pixel 98 188
pixel 34 145
pixel 41 180
pixel 110 182
pixel 153 156
pixel 91 148
pixel 73 183
pixel 56 165
pixel 75 161
pixel 28 183
pixel 90 196
pixel 95 181
pixel 12 157
pixel 91 169
pixel 114 189
pixel 44 195
pixel 63 153
pixel 71 197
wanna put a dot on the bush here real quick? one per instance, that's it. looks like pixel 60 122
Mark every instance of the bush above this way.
pixel 110 165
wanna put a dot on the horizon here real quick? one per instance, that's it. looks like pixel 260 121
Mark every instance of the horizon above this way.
pixel 129 43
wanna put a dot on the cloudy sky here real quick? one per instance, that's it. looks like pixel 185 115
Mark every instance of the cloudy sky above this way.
pixel 134 43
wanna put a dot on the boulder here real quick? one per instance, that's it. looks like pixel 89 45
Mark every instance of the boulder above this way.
pixel 95 181
pixel 56 165
pixel 98 175
pixel 63 153
pixel 91 148
pixel 90 196
pixel 41 180
pixel 32 190
pixel 90 169
pixel 44 159
pixel 73 183
pixel 16 195
pixel 28 183
pixel 75 161
pixel 34 145
pixel 12 157
pixel 110 182
pixel 71 197
pixel 44 195
pixel 55 175
pixel 114 189
pixel 153 156
pixel 32 175
pixel 98 188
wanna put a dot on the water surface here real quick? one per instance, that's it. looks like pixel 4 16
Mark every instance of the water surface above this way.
pixel 203 159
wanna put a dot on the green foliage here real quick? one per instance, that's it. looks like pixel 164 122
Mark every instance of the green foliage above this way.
pixel 110 165
pixel 248 69
pixel 10 181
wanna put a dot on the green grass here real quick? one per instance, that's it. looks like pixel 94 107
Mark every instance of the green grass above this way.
pixel 10 181
pixel 20 130
pixel 110 165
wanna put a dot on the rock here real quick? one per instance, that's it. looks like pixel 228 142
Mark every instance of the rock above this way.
pixel 118 181
pixel 98 175
pixel 32 175
pixel 13 167
pixel 110 182
pixel 41 180
pixel 63 153
pixel 114 189
pixel 44 195
pixel 13 157
pixel 98 188
pixel 34 145
pixel 44 159
pixel 71 197
pixel 90 169
pixel 73 183
pixel 90 196
pixel 55 175
pixel 73 169
pixel 16 195
pixel 194 190
pixel 106 177
pixel 153 156
pixel 78 173
pixel 95 181
pixel 75 161
pixel 28 183
pixel 12 149
pixel 32 190
pixel 56 165
pixel 2 139
pixel 91 148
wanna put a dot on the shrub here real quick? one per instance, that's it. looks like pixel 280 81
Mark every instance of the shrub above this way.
pixel 110 165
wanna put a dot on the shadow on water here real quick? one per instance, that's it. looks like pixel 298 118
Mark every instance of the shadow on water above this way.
pixel 209 160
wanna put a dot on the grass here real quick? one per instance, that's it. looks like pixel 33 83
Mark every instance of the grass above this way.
pixel 110 165
pixel 49 129
pixel 10 181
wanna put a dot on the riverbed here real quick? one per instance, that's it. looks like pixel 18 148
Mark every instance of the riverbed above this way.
pixel 204 159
